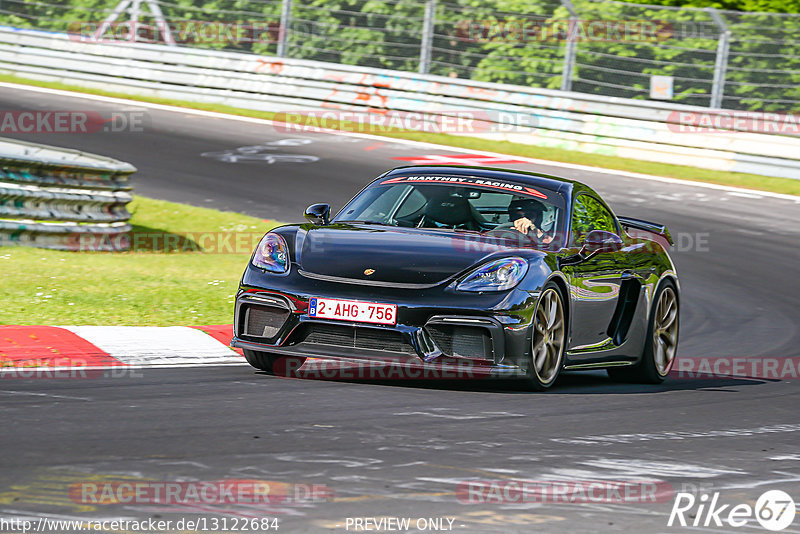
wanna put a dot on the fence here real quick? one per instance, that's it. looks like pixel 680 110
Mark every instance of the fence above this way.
pixel 713 58
pixel 61 199
pixel 595 124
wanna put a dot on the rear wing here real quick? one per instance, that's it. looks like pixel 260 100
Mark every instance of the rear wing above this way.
pixel 660 230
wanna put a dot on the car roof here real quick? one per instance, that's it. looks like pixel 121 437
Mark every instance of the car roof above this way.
pixel 554 183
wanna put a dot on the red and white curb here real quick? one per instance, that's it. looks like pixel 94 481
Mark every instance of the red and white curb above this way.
pixel 101 347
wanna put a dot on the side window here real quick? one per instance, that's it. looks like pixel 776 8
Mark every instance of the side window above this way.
pixel 382 205
pixel 589 214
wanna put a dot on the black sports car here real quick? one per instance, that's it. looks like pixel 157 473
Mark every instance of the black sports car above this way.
pixel 505 272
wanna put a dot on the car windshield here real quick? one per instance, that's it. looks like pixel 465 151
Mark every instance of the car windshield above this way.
pixel 459 203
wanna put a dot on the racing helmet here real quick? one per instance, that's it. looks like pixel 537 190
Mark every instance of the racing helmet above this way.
pixel 526 207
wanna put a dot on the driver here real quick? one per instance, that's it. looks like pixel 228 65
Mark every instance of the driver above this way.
pixel 527 214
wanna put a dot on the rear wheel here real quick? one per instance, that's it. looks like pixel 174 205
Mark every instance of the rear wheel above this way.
pixel 661 344
pixel 266 361
pixel 548 339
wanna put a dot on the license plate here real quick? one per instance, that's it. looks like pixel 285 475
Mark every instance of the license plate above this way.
pixel 352 310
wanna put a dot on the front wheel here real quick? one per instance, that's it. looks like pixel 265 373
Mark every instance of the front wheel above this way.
pixel 661 344
pixel 548 339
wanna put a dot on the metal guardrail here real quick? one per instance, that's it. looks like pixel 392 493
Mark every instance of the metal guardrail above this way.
pixel 644 130
pixel 63 199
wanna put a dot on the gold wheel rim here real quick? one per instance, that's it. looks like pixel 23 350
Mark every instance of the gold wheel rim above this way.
pixel 665 331
pixel 548 336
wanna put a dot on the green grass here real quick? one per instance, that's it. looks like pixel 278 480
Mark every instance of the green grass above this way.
pixel 750 181
pixel 159 286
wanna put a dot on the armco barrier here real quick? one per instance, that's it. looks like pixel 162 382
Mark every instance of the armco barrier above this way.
pixel 644 130
pixel 60 199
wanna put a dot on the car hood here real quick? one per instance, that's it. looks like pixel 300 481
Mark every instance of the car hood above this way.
pixel 394 255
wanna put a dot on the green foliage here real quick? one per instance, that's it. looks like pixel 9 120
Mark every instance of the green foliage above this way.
pixel 371 33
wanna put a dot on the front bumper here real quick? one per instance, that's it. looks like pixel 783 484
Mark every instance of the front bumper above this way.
pixel 436 327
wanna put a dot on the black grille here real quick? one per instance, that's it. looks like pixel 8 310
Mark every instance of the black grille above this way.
pixel 262 321
pixel 459 341
pixel 357 338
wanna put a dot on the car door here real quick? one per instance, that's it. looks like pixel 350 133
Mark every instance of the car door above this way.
pixel 594 282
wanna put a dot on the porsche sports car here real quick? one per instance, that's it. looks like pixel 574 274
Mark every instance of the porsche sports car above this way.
pixel 512 273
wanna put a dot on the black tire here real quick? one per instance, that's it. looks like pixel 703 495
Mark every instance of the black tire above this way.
pixel 652 367
pixel 550 335
pixel 265 361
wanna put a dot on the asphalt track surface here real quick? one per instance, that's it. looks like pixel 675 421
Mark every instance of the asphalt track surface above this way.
pixel 396 449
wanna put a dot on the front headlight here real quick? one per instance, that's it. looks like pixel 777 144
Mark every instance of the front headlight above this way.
pixel 497 275
pixel 272 254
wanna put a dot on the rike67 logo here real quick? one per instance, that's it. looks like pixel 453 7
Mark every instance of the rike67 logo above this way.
pixel 774 510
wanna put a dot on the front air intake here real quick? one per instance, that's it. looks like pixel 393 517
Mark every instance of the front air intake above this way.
pixel 264 321
pixel 356 338
pixel 473 342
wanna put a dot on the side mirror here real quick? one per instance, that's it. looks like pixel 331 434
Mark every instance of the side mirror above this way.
pixel 600 241
pixel 318 214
